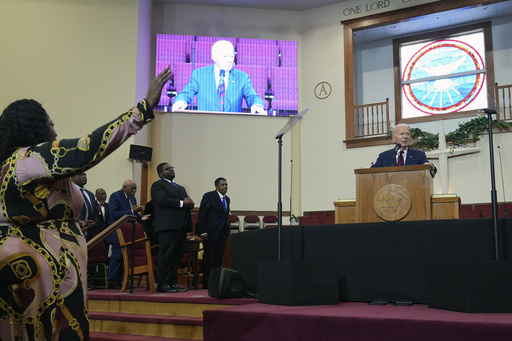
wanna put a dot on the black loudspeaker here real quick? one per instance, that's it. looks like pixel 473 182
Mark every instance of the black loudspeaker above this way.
pixel 226 283
pixel 140 153
pixel 297 283
pixel 471 286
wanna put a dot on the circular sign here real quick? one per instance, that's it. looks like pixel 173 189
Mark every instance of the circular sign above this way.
pixel 323 90
pixel 452 73
pixel 392 202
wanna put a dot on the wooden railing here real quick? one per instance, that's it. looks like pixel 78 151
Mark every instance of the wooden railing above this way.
pixel 503 94
pixel 372 119
pixel 110 229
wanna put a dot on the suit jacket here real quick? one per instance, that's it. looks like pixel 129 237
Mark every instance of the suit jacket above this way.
pixel 168 213
pixel 118 206
pixel 94 215
pixel 212 217
pixel 203 85
pixel 104 217
pixel 388 158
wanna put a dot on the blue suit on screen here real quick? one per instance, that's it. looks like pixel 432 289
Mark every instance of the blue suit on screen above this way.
pixel 203 85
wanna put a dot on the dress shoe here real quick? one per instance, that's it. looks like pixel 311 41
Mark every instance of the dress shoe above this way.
pixel 114 284
pixel 178 288
pixel 165 288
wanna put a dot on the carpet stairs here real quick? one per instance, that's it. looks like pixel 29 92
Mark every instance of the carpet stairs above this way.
pixel 150 316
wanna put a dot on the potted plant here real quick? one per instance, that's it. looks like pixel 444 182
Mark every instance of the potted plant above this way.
pixel 294 220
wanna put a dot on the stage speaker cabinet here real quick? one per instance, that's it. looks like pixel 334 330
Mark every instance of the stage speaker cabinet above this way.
pixel 297 283
pixel 140 153
pixel 226 283
pixel 471 286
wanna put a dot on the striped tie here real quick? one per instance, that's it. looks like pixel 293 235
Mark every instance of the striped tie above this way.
pixel 401 158
pixel 221 90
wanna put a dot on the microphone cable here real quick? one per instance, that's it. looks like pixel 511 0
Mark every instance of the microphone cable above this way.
pixel 503 184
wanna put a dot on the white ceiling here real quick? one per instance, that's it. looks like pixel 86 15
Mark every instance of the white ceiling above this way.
pixel 426 23
pixel 432 22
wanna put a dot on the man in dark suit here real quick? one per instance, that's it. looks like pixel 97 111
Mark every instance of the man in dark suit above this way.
pixel 205 83
pixel 402 155
pixel 121 202
pixel 103 211
pixel 213 227
pixel 88 217
pixel 171 222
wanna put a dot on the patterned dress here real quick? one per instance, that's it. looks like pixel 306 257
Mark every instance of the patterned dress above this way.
pixel 43 253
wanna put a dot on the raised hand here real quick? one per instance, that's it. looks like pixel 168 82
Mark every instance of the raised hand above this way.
pixel 156 86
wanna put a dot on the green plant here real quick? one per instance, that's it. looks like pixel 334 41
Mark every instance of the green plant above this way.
pixel 424 140
pixel 294 218
pixel 469 130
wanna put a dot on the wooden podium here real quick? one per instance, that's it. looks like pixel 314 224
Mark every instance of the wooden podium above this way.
pixel 395 194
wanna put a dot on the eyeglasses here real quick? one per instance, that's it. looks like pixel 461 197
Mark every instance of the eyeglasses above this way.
pixel 168 168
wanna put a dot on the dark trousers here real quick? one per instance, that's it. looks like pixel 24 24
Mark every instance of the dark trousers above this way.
pixel 115 268
pixel 171 247
pixel 212 256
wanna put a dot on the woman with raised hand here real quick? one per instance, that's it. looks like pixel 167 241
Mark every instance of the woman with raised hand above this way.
pixel 43 253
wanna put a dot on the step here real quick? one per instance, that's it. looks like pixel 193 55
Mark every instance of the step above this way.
pixel 97 336
pixel 149 325
pixel 143 315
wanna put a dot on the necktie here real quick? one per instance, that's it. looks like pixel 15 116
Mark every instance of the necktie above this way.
pixel 225 208
pixel 87 203
pixel 401 158
pixel 174 184
pixel 129 202
pixel 221 90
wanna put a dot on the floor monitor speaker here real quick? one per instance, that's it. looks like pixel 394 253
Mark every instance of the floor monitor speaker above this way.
pixel 226 283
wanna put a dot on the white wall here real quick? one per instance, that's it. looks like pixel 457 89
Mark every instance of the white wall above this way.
pixel 78 58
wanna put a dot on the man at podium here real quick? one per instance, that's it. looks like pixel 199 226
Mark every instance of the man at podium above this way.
pixel 402 155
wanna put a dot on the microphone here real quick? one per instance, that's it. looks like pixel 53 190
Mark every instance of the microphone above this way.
pixel 397 148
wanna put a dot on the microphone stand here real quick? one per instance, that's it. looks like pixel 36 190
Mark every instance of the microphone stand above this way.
pixel 494 198
pixel 279 202
pixel 292 121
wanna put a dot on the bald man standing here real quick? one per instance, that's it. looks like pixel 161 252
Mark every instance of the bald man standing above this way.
pixel 121 202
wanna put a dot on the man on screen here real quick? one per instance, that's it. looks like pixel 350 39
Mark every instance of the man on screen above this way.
pixel 402 155
pixel 219 87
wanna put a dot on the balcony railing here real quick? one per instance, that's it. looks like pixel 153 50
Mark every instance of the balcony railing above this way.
pixel 503 95
pixel 372 119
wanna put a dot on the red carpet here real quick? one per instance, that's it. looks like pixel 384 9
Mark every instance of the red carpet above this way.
pixel 352 321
